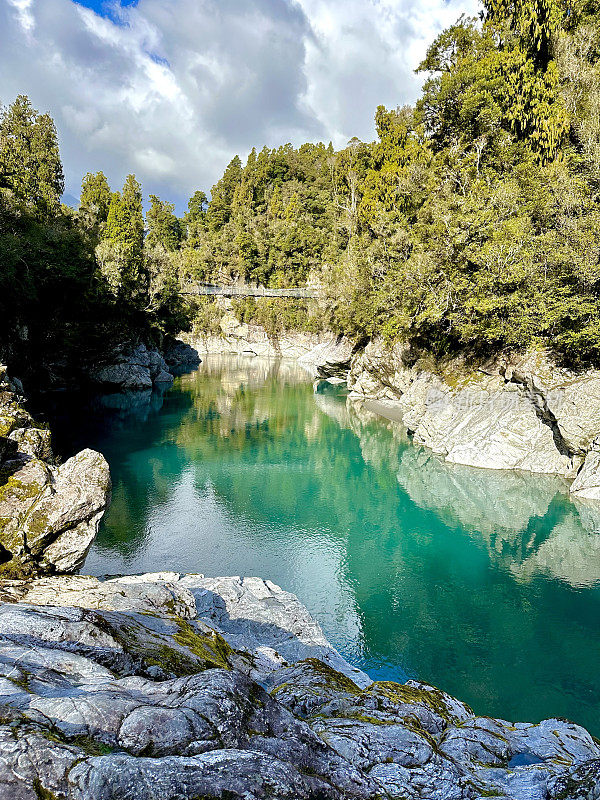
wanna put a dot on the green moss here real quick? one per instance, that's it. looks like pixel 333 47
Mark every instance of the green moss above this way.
pixel 90 745
pixel 19 490
pixel 400 693
pixel 37 524
pixel 23 681
pixel 15 569
pixel 199 650
pixel 208 646
pixel 41 792
pixel 482 792
pixel 331 677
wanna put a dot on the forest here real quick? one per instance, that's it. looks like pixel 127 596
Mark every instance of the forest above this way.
pixel 471 225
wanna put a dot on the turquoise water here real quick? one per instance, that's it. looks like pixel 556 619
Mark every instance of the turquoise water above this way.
pixel 486 584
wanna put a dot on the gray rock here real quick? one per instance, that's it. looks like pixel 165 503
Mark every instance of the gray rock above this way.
pixel 498 418
pixel 34 442
pixel 124 376
pixel 163 377
pixel 587 483
pixel 330 358
pixel 262 618
pixel 179 354
pixel 145 686
pixel 132 368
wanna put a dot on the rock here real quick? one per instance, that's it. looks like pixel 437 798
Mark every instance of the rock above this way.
pixel 124 376
pixel 163 377
pixel 311 350
pixel 497 418
pixel 258 616
pixel 587 483
pixel 180 354
pixel 132 368
pixel 49 515
pixel 35 442
pixel 145 686
pixel 330 358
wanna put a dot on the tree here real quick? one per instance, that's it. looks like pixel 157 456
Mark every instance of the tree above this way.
pixel 219 210
pixel 163 226
pixel 527 30
pixel 95 197
pixel 30 164
pixel 122 250
pixel 195 216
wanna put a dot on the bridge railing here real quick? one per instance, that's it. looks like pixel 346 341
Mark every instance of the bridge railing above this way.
pixel 237 290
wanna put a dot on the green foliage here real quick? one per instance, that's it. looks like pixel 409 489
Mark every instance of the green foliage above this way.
pixel 121 253
pixel 95 197
pixel 195 218
pixel 30 165
pixel 219 211
pixel 471 225
pixel 65 296
pixel 163 226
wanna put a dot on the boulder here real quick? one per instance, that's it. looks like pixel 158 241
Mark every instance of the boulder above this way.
pixel 124 375
pixel 49 515
pixel 180 354
pixel 330 358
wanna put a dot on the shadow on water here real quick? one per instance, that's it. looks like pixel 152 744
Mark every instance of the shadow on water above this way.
pixel 484 583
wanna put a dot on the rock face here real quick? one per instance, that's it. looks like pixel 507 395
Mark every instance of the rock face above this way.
pixel 49 515
pixel 516 414
pixel 324 355
pixel 166 688
pixel 178 354
pixel 132 368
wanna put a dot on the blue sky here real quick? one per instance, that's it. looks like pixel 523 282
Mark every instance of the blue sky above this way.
pixel 102 7
pixel 171 90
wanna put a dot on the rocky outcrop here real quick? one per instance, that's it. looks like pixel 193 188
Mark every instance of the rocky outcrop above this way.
pixel 239 338
pixel 166 687
pixel 330 358
pixel 519 413
pixel 49 514
pixel 130 367
pixel 179 354
pixel 324 355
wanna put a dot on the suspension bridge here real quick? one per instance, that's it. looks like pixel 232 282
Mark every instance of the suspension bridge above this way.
pixel 243 290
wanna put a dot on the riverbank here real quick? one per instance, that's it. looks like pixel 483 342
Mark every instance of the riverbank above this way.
pixel 519 412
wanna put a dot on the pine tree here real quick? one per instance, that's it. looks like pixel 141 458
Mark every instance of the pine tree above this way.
pixel 219 210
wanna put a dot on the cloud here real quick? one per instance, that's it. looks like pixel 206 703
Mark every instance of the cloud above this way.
pixel 172 90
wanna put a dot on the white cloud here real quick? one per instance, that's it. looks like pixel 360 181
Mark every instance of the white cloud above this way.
pixel 174 89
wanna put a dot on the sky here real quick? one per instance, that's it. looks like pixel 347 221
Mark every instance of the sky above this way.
pixel 171 90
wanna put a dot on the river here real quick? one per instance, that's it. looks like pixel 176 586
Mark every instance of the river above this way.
pixel 484 583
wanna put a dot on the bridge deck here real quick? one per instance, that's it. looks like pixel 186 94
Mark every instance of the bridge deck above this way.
pixel 249 291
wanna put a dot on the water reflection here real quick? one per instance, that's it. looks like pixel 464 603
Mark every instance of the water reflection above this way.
pixel 485 583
